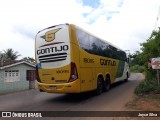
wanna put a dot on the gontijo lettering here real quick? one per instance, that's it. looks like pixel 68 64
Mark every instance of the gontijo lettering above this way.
pixel 107 62
pixel 53 49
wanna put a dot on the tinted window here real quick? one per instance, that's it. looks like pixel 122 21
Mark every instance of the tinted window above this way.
pixel 121 55
pixel 95 46
pixel 83 40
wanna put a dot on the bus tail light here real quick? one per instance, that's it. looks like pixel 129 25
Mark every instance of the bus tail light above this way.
pixel 74 74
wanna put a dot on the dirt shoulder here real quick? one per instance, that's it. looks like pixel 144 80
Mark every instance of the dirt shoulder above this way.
pixel 150 102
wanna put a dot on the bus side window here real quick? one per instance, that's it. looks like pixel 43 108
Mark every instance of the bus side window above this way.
pixel 94 45
pixel 83 40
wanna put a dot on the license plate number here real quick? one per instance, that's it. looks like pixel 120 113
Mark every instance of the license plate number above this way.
pixel 53 87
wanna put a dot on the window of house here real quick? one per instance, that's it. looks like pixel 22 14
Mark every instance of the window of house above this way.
pixel 11 76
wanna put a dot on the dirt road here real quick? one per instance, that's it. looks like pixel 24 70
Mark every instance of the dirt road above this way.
pixel 33 100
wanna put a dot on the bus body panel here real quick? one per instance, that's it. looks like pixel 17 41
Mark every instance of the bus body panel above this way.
pixel 55 76
pixel 73 87
pixel 53 47
pixel 98 65
pixel 125 73
pixel 53 54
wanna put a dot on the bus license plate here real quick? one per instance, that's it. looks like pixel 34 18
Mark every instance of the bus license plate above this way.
pixel 53 87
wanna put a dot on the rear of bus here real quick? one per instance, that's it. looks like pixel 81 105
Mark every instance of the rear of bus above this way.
pixel 56 70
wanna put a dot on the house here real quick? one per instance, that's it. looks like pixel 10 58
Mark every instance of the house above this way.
pixel 16 76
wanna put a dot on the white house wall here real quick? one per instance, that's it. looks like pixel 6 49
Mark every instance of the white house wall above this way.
pixel 23 84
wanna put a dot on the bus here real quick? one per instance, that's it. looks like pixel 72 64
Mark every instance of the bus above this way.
pixel 72 60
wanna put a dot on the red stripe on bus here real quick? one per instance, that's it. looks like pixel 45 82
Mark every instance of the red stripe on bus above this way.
pixel 51 44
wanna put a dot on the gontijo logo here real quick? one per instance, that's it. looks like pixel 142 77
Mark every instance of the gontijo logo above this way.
pixel 50 35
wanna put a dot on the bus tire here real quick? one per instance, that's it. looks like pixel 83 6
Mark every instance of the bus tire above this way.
pixel 126 80
pixel 107 84
pixel 99 89
pixel 41 90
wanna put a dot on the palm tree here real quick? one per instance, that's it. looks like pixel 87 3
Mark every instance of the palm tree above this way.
pixel 1 56
pixel 10 54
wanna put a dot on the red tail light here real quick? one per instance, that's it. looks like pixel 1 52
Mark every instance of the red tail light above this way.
pixel 74 74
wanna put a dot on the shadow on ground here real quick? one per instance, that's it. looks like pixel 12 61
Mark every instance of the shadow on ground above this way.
pixel 76 98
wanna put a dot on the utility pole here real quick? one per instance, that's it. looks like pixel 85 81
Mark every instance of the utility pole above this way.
pixel 157 19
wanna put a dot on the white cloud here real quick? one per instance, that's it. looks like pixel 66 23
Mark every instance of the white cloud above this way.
pixel 131 26
pixel 21 20
pixel 107 8
pixel 123 23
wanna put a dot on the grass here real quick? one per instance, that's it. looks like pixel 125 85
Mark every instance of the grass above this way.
pixel 147 86
pixel 150 84
pixel 156 97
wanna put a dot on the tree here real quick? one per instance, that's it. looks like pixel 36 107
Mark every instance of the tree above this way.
pixel 29 59
pixel 1 56
pixel 137 59
pixel 10 54
pixel 149 49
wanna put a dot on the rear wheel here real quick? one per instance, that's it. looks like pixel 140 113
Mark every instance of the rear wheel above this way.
pixel 125 80
pixel 99 89
pixel 107 84
pixel 41 90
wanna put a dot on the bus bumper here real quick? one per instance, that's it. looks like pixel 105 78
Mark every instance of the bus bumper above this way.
pixel 72 87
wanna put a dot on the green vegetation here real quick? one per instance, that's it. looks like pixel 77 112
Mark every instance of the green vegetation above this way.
pixel 9 54
pixel 155 97
pixel 137 69
pixel 147 86
pixel 139 63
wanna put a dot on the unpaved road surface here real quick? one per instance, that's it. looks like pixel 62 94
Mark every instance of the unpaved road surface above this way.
pixel 33 100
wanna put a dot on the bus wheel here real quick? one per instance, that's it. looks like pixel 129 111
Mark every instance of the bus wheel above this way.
pixel 126 80
pixel 99 89
pixel 107 84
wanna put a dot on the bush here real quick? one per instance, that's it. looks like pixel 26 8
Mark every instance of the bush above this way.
pixel 150 74
pixel 147 86
pixel 137 69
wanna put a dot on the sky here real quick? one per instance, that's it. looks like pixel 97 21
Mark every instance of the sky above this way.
pixel 124 23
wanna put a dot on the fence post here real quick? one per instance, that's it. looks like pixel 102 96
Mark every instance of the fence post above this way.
pixel 158 76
